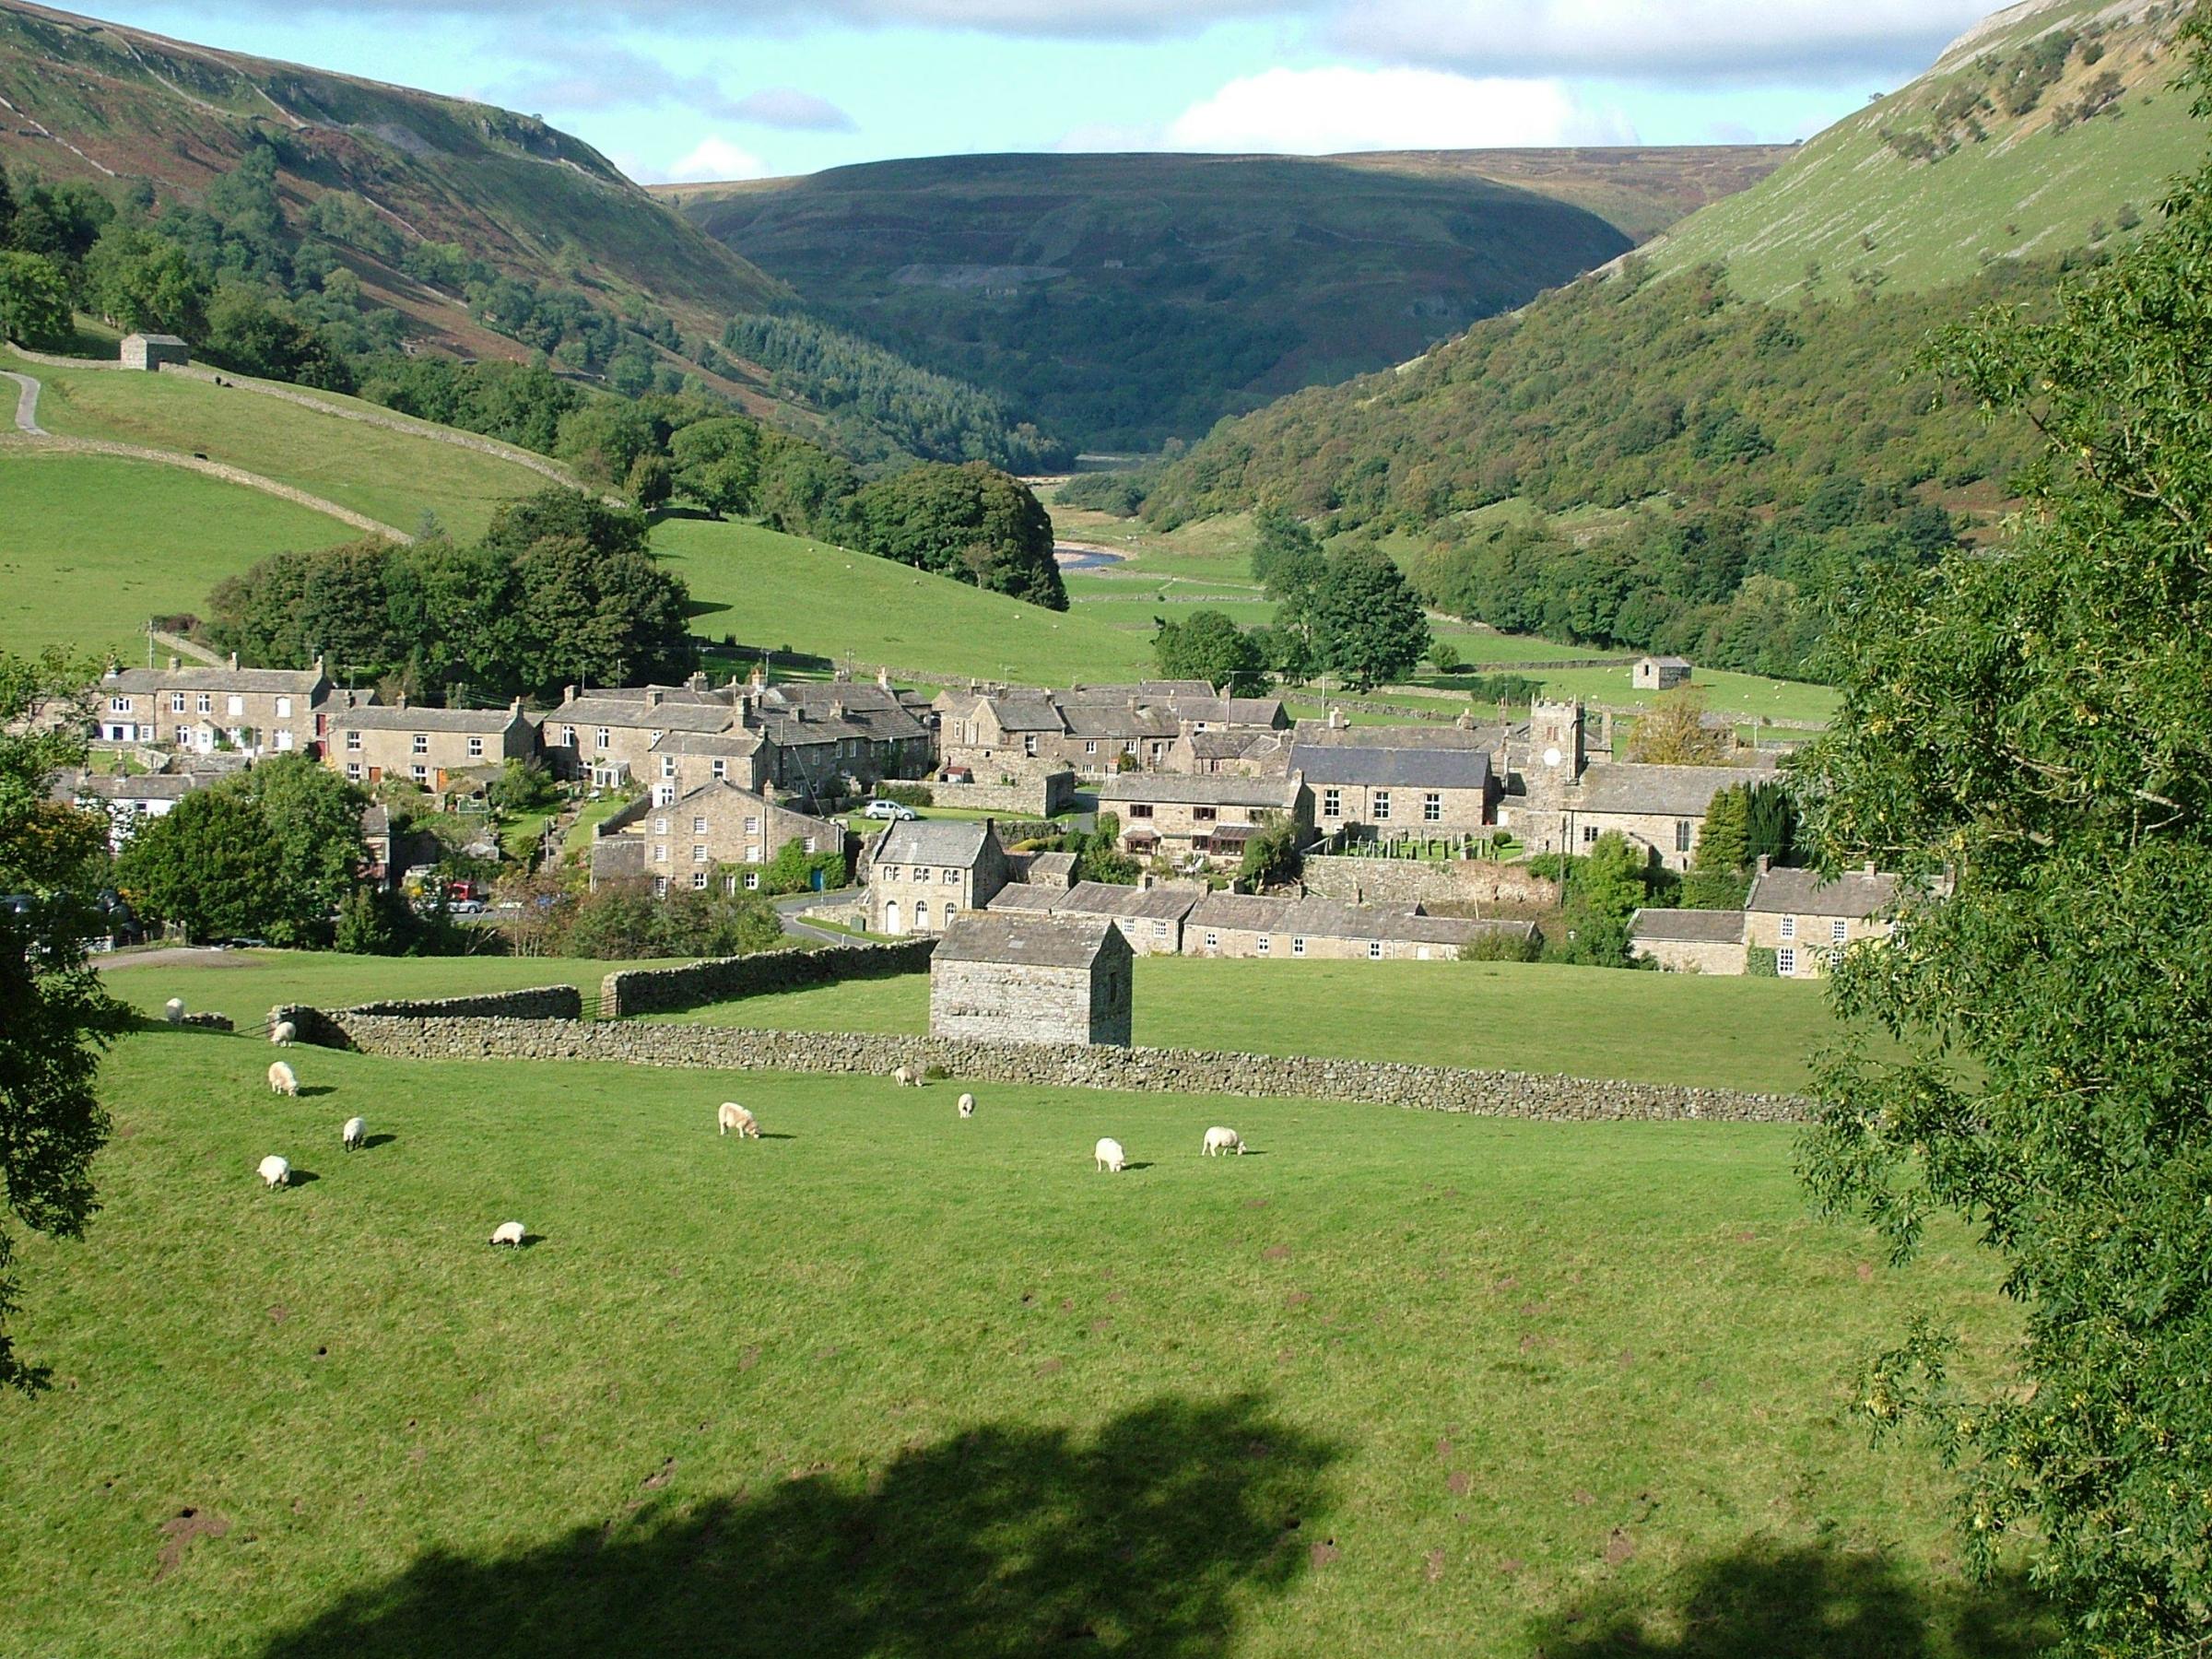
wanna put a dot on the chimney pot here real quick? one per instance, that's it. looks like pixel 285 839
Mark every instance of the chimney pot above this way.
pixel 567 694
pixel 234 659
pixel 1765 864
pixel 175 663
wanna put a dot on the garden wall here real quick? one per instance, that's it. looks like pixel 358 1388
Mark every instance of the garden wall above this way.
pixel 661 990
pixel 1410 880
pixel 543 1002
pixel 1061 1065
pixel 1039 796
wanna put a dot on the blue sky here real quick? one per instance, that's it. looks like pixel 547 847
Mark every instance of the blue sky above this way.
pixel 690 89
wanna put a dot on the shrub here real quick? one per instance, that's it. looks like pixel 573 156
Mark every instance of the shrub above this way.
pixel 906 795
pixel 1503 948
pixel 1758 962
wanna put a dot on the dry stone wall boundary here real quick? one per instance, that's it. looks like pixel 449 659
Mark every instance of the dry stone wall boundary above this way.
pixel 726 979
pixel 1046 1065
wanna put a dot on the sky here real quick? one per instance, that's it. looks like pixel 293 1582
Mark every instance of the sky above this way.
pixel 701 90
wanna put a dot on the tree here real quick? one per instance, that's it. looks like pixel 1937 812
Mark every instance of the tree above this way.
pixel 2030 723
pixel 1604 890
pixel 34 301
pixel 57 1018
pixel 1210 647
pixel 1769 824
pixel 1271 857
pixel 207 864
pixel 7 209
pixel 971 522
pixel 1280 539
pixel 311 820
pixel 1368 626
pixel 718 463
pixel 588 617
pixel 142 283
pixel 649 483
pixel 1725 842
pixel 1674 732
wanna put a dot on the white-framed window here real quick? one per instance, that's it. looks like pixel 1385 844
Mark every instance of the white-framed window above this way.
pixel 1029 743
pixel 1159 930
pixel 118 705
pixel 1684 832
pixel 601 738
pixel 353 743
pixel 699 880
pixel 1298 946
pixel 1838 930
pixel 1374 951
pixel 951 909
pixel 284 741
pixel 419 744
pixel 476 748
pixel 206 702
pixel 1433 808
pixel 810 844
pixel 183 735
pixel 890 873
pixel 660 852
pixel 1332 802
pixel 1090 748
pixel 752 825
pixel 752 881
pixel 921 915
pixel 422 774
pixel 720 769
pixel 1382 804
pixel 1785 961
pixel 568 736
pixel 1212 939
pixel 176 702
pixel 1789 927
pixel 284 707
pixel 698 854
pixel 660 887
pixel 1265 946
pixel 1589 835
pixel 950 878
pixel 667 766
pixel 353 771
pixel 699 826
pixel 235 703
pixel 660 826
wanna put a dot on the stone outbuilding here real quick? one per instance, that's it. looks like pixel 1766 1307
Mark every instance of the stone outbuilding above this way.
pixel 1689 941
pixel 1659 673
pixel 923 874
pixel 155 351
pixel 1020 977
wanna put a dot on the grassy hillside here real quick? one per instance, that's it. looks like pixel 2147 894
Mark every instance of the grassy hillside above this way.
pixel 393 477
pixel 1125 298
pixel 90 547
pixel 1981 158
pixel 776 591
pixel 887 1381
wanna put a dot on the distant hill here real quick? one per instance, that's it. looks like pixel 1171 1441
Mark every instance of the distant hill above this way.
pixel 1127 298
pixel 2047 127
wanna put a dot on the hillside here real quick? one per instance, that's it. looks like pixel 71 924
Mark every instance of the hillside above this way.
pixel 2047 127
pixel 1121 300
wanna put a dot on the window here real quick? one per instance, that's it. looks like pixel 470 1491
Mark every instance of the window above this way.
pixel 667 766
pixel 1266 943
pixel 752 881
pixel 951 909
pixel 729 885
pixel 698 854
pixel 1298 947
pixel 1684 829
pixel 1332 802
pixel 699 880
pixel 1212 939
pixel 284 741
pixel 1789 927
pixel 1589 834
pixel 752 825
pixel 1837 929
pixel 353 743
pixel 206 702
pixel 660 852
pixel 353 771
pixel 284 707
pixel 600 738
pixel 951 877
pixel 1785 961
pixel 1433 808
pixel 1205 815
pixel 476 748
pixel 1374 951
pixel 1090 748
pixel 183 735
pixel 1029 745
pixel 660 826
pixel 810 844
pixel 699 826
pixel 1159 930
pixel 419 744
pixel 660 887
pixel 890 873
pixel 1382 804
pixel 118 705
pixel 921 915
pixel 721 769
pixel 235 703
pixel 422 774
pixel 1140 810
pixel 568 736
pixel 176 702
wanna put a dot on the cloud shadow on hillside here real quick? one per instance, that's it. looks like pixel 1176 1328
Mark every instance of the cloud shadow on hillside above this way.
pixel 1809 1601
pixel 1009 1539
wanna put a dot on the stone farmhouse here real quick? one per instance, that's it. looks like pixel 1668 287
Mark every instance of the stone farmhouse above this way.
pixel 1659 673
pixel 680 762
pixel 717 831
pixel 1030 979
pixel 924 873
pixel 605 737
pixel 820 732
pixel 1242 750
pixel 1244 924
pixel 1390 791
pixel 1566 800
pixel 434 747
pixel 1195 821
pixel 127 802
pixel 1018 732
pixel 198 709
pixel 1150 917
pixel 1802 918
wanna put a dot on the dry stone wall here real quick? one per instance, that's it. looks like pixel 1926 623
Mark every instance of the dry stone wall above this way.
pixel 1040 1065
pixel 725 978
pixel 1407 880
pixel 537 1002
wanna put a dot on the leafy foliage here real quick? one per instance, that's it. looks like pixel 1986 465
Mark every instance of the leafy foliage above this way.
pixel 623 920
pixel 1207 645
pixel 1358 617
pixel 1271 857
pixel 1674 732
pixel 969 522
pixel 2032 724
pixel 34 300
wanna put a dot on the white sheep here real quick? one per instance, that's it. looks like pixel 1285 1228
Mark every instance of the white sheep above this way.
pixel 1108 1156
pixel 275 1171
pixel 173 1010
pixel 735 1119
pixel 283 1034
pixel 967 1105
pixel 1220 1140
pixel 354 1131
pixel 906 1075
pixel 509 1233
pixel 282 1081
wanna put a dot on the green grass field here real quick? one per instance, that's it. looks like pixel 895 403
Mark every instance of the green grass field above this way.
pixel 392 477
pixel 1593 1022
pixel 246 984
pixel 774 590
pixel 91 547
pixel 889 1383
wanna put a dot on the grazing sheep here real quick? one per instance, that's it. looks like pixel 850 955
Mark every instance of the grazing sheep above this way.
pixel 1220 1140
pixel 906 1075
pixel 275 1171
pixel 173 1010
pixel 282 1081
pixel 736 1118
pixel 1108 1156
pixel 354 1131
pixel 283 1034
pixel 508 1233
pixel 967 1105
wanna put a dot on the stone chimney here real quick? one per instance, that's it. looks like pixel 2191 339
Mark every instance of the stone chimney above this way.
pixel 319 672
pixel 837 708
pixel 697 682
pixel 759 679
pixel 653 696
pixel 234 659
pixel 567 694
pixel 175 663
pixel 1766 862
pixel 883 679
pixel 1336 720
pixel 403 700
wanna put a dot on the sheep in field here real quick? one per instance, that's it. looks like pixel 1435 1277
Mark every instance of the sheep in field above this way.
pixel 274 1171
pixel 282 1081
pixel 1108 1156
pixel 509 1233
pixel 967 1105
pixel 283 1034
pixel 173 1010
pixel 733 1119
pixel 1223 1141
pixel 354 1131
pixel 906 1075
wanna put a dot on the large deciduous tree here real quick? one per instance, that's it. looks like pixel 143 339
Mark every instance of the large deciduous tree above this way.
pixel 1365 622
pixel 1207 645
pixel 971 522
pixel 207 865
pixel 34 301
pixel 2030 720
pixel 55 1018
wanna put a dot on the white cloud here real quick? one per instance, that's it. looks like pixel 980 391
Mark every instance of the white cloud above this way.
pixel 710 161
pixel 1321 112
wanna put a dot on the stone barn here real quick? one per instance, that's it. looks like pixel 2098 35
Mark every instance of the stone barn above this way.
pixel 152 351
pixel 1023 977
pixel 1659 673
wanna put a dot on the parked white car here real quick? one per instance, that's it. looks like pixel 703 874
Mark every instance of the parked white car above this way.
pixel 887 809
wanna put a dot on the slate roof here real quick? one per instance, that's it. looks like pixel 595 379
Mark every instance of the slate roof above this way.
pixel 1032 712
pixel 956 843
pixel 1046 869
pixel 298 682
pixel 146 786
pixel 1334 919
pixel 1689 926
pixel 1118 720
pixel 1319 734
pixel 1109 899
pixel 733 742
pixel 609 709
pixel 1856 894
pixel 1231 711
pixel 1405 768
pixel 1663 791
pixel 377 717
pixel 1022 896
pixel 1219 789
pixel 1027 941
pixel 1663 661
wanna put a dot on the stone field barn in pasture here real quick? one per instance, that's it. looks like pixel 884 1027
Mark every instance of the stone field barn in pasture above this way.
pixel 1030 979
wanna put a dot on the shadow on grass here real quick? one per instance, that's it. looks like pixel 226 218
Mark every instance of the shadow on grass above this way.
pixel 1010 1540
pixel 308 1091
pixel 370 1142
pixel 1809 1601
pixel 300 1178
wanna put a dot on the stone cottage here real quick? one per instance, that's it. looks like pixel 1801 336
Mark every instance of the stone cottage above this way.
pixel 923 874
pixel 155 351
pixel 715 828
pixel 1030 979
pixel 1805 920
pixel 190 707
pixel 1659 673
pixel 1689 941
pixel 430 747
pixel 1201 819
